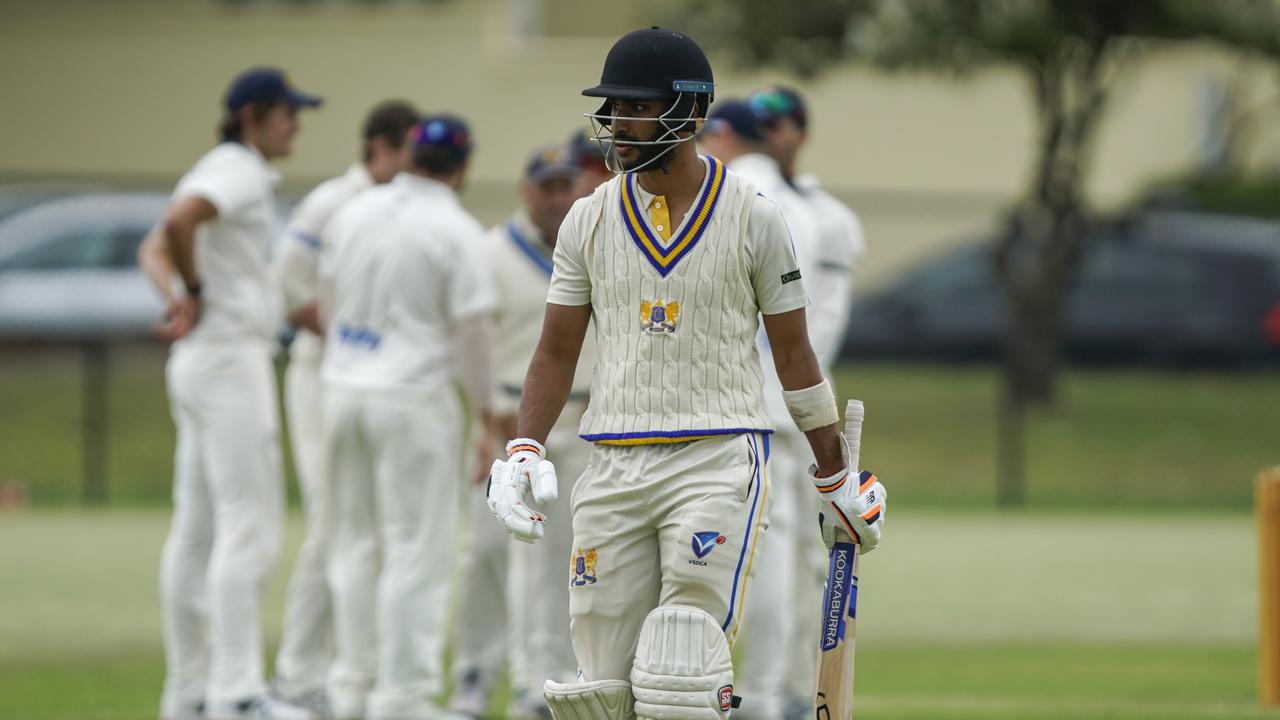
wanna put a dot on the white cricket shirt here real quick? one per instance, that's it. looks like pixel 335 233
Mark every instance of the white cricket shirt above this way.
pixel 240 296
pixel 676 319
pixel 406 263
pixel 296 265
pixel 520 262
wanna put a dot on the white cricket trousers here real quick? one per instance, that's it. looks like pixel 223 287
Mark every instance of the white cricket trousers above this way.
pixel 228 505
pixel 306 645
pixel 396 459
pixel 778 652
pixel 497 573
pixel 676 524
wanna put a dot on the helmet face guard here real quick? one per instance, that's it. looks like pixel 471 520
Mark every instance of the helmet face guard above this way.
pixel 680 117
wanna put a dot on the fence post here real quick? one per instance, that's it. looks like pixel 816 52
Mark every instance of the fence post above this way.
pixel 1267 506
pixel 93 419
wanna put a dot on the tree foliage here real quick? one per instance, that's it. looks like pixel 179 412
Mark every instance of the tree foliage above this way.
pixel 1070 52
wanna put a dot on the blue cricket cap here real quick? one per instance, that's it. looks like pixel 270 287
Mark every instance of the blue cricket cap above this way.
pixel 446 132
pixel 735 115
pixel 548 162
pixel 265 85
pixel 777 102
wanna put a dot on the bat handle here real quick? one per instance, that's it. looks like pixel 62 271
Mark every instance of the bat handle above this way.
pixel 853 413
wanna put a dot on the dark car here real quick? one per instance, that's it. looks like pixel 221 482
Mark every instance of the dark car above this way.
pixel 1171 289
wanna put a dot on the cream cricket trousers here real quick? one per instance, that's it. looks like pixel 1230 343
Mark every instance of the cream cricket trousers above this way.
pixel 671 524
pixel 228 505
pixel 395 458
pixel 778 651
pixel 306 646
pixel 498 572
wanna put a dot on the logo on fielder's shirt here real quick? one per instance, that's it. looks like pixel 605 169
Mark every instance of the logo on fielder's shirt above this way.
pixel 658 316
pixel 583 568
pixel 705 542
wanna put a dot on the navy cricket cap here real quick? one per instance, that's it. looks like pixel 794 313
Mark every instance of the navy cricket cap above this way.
pixel 265 85
pixel 445 132
pixel 777 102
pixel 736 115
pixel 551 161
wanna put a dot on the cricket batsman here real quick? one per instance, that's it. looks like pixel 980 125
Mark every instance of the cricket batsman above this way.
pixel 675 262
pixel 404 274
pixel 306 647
pixel 228 494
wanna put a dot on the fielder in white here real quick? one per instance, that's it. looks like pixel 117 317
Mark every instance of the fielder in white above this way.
pixel 760 139
pixel 306 647
pixel 228 487
pixel 520 260
pixel 674 262
pixel 404 272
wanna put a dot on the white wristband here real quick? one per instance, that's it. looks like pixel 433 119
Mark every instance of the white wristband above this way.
pixel 526 444
pixel 812 407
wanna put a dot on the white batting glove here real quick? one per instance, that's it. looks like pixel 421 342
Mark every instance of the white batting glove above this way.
pixel 858 508
pixel 526 472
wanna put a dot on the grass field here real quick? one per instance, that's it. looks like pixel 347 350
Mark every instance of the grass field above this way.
pixel 1128 440
pixel 962 617
pixel 1126 591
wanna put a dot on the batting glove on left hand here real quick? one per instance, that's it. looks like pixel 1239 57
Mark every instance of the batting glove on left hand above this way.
pixel 856 507
pixel 525 472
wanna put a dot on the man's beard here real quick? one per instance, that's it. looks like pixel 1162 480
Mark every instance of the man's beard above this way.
pixel 646 154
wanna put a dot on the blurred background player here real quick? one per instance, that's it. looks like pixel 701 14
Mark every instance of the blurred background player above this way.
pixel 778 664
pixel 520 256
pixel 588 154
pixel 306 646
pixel 228 481
pixel 734 133
pixel 674 263
pixel 404 272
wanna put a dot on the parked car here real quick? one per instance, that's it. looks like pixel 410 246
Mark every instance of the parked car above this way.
pixel 1167 289
pixel 68 267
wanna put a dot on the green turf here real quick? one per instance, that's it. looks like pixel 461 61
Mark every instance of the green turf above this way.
pixel 1127 440
pixel 962 615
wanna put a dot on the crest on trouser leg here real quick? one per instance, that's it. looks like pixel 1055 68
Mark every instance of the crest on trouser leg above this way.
pixel 583 568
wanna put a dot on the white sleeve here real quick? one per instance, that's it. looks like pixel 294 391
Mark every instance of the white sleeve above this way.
pixel 771 260
pixel 228 183
pixel 470 286
pixel 296 266
pixel 570 283
pixel 831 286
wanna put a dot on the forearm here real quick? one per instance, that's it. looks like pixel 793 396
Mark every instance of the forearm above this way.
pixel 153 258
pixel 476 342
pixel 180 243
pixel 546 389
pixel 809 397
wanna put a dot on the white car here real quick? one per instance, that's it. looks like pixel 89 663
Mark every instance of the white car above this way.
pixel 69 269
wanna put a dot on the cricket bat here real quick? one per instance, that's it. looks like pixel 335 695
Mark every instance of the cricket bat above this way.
pixel 833 699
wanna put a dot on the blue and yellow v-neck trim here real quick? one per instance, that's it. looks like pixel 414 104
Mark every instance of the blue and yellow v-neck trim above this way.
pixel 664 258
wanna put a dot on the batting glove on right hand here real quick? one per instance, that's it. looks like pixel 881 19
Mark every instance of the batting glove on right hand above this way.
pixel 857 508
pixel 525 472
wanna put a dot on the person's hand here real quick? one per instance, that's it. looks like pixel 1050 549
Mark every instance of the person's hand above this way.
pixel 525 474
pixel 856 507
pixel 180 318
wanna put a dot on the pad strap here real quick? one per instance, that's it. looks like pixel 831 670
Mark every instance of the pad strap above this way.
pixel 600 700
